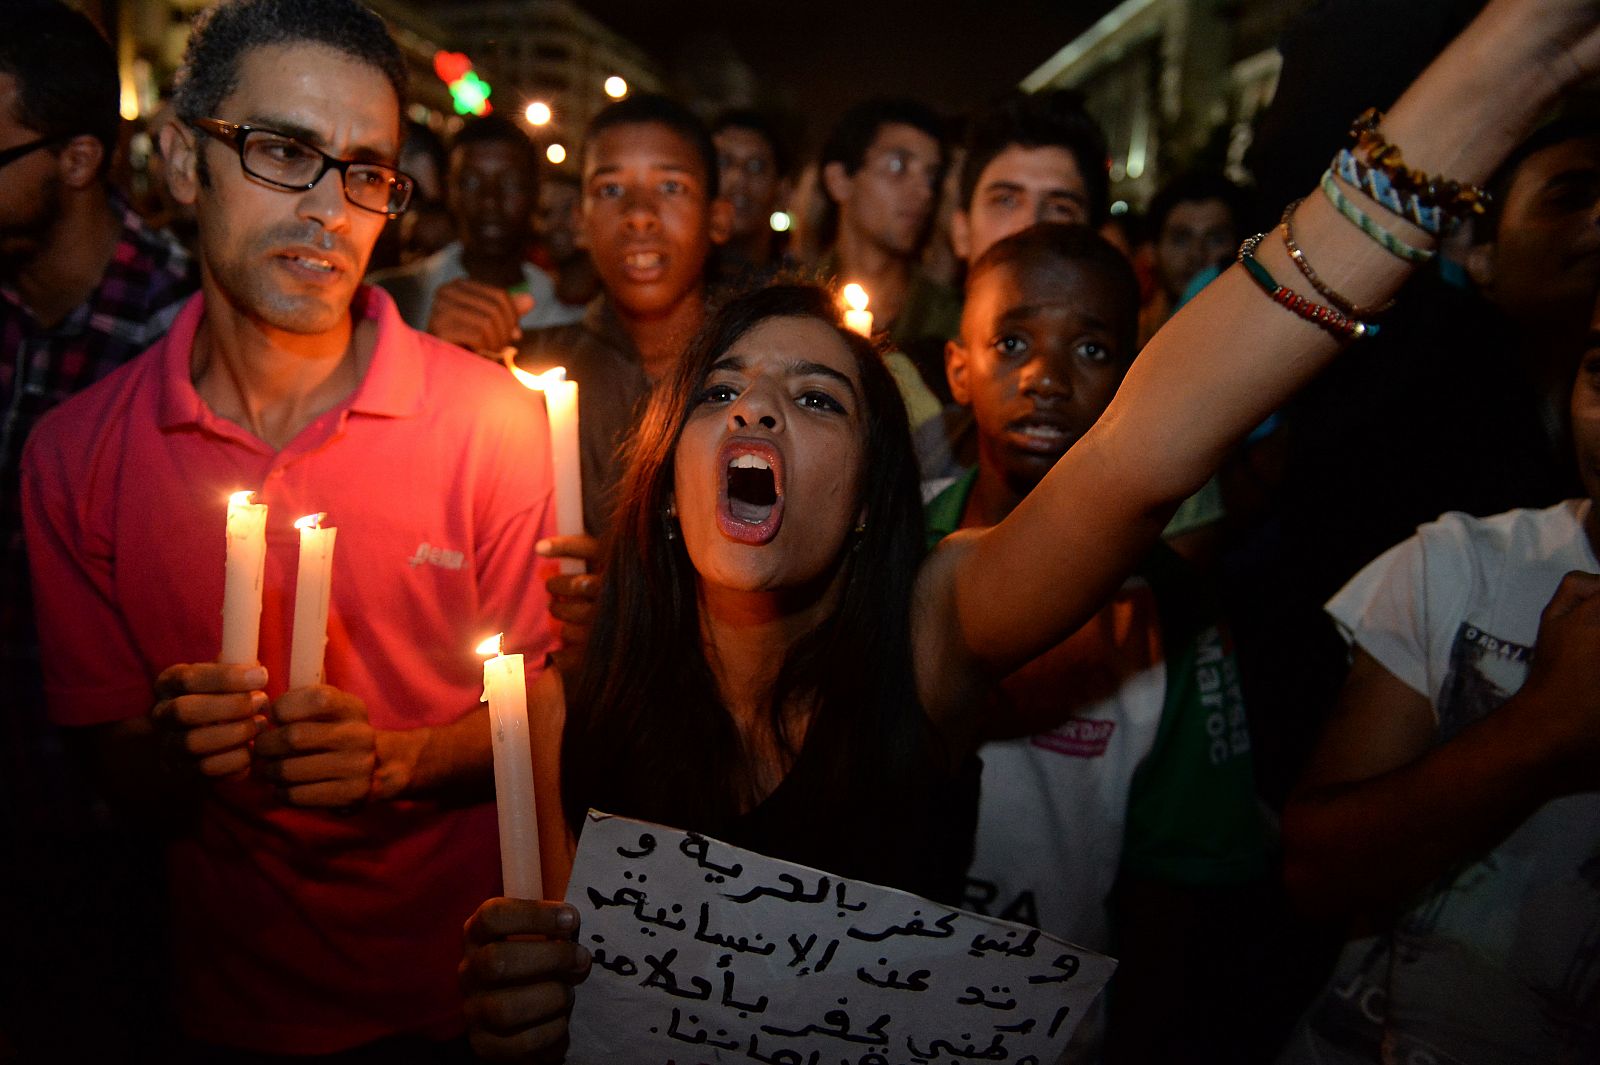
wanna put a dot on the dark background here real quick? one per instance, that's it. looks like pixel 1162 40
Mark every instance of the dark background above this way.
pixel 816 58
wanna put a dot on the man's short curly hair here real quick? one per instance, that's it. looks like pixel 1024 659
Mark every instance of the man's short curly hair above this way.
pixel 222 34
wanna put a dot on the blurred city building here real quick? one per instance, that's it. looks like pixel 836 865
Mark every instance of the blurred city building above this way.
pixel 527 51
pixel 550 52
pixel 1175 83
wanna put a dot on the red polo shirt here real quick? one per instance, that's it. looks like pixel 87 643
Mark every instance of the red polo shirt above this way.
pixel 302 931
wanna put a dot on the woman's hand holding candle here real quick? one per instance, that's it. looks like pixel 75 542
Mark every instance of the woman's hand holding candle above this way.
pixel 518 969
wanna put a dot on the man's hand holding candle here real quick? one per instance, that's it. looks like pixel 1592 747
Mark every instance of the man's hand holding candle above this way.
pixel 207 714
pixel 324 751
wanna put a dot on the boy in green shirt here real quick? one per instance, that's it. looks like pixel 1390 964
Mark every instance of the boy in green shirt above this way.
pixel 1127 809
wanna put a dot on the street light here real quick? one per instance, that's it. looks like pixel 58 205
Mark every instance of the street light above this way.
pixel 556 154
pixel 616 88
pixel 538 113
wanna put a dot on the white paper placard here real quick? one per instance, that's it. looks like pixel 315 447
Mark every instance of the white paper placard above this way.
pixel 707 953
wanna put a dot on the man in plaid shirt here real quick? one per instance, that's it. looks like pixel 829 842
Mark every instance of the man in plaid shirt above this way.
pixel 84 287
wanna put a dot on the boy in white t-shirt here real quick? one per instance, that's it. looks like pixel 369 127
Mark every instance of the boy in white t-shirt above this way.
pixel 1456 787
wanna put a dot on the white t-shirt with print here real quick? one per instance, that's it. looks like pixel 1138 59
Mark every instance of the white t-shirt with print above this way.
pixel 1500 960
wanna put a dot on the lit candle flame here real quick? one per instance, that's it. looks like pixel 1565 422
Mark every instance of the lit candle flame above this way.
pixel 310 521
pixel 535 381
pixel 241 499
pixel 855 296
pixel 494 645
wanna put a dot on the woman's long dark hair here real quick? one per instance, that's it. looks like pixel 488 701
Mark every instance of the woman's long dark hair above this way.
pixel 647 733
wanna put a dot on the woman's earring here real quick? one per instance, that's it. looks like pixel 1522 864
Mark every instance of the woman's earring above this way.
pixel 669 516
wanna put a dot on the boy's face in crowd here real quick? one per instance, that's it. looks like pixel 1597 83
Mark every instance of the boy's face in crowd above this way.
pixel 1017 188
pixel 1546 253
pixel 290 259
pixel 648 221
pixel 1041 353
pixel 750 180
pixel 557 219
pixel 890 199
pixel 1194 236
pixel 492 196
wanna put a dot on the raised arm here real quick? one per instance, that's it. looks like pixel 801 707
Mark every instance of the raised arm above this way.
pixel 995 599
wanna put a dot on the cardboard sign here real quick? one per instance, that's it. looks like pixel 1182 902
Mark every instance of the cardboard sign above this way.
pixel 707 953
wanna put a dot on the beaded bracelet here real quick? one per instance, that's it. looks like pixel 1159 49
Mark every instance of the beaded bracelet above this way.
pixel 1299 257
pixel 1455 198
pixel 1339 324
pixel 1387 240
pixel 1376 184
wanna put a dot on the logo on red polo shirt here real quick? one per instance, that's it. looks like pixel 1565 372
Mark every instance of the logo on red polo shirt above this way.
pixel 442 557
pixel 1082 737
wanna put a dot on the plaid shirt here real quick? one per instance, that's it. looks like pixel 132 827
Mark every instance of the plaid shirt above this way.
pixel 149 276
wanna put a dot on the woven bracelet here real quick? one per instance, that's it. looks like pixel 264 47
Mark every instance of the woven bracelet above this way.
pixel 1376 184
pixel 1299 257
pixel 1385 239
pixel 1331 320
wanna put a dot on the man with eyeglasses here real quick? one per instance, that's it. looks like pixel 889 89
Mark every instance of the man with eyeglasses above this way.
pixel 882 167
pixel 326 841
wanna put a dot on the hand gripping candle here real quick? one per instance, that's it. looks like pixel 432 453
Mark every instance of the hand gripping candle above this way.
pixel 506 690
pixel 312 590
pixel 241 588
pixel 561 402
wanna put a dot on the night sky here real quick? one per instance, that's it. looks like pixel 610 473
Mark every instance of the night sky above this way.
pixel 822 55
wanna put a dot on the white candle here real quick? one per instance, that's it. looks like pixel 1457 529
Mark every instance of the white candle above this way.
pixel 561 404
pixel 312 589
pixel 241 588
pixel 856 315
pixel 505 689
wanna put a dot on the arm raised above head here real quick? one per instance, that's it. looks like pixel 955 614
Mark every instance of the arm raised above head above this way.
pixel 1232 356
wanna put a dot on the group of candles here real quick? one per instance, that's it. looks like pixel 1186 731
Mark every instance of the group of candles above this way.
pixel 504 677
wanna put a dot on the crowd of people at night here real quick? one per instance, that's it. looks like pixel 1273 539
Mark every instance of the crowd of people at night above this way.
pixel 1213 586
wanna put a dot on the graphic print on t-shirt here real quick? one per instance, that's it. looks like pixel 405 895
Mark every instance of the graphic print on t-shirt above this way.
pixel 1484 672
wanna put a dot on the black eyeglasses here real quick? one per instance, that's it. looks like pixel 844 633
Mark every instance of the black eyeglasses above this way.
pixel 11 155
pixel 286 163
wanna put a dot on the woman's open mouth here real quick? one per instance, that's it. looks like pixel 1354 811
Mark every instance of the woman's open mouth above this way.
pixel 750 492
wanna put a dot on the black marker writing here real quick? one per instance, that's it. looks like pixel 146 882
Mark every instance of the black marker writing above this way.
pixel 796 891
pixel 741 944
pixel 662 976
pixel 913 927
